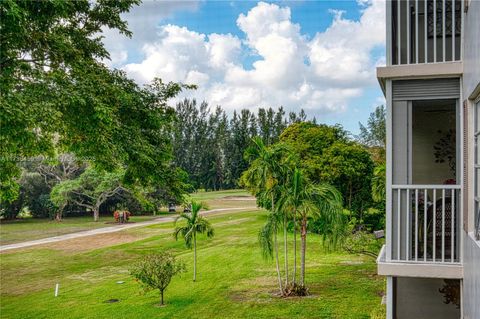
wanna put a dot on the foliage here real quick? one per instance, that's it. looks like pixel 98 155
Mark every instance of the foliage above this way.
pixel 194 224
pixel 156 271
pixel 326 155
pixel 374 134
pixel 210 147
pixel 89 190
pixel 364 243
pixel 58 97
pixel 282 188
pixel 378 183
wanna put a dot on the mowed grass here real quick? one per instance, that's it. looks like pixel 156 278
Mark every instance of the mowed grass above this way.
pixel 34 228
pixel 234 281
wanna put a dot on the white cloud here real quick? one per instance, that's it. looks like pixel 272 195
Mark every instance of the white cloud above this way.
pixel 321 74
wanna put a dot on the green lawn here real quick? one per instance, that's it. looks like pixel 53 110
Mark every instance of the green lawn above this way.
pixel 33 228
pixel 233 280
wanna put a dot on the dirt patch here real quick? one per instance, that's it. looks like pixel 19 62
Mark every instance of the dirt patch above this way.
pixel 93 242
pixel 242 197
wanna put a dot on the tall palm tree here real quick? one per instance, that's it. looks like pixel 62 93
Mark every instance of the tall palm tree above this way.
pixel 263 179
pixel 195 224
pixel 292 200
pixel 322 202
pixel 308 200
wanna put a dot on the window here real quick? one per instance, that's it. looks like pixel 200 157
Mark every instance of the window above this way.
pixel 477 169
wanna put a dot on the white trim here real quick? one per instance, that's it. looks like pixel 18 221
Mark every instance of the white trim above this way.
pixel 413 186
pixel 389 224
pixel 390 297
pixel 421 270
pixel 389 32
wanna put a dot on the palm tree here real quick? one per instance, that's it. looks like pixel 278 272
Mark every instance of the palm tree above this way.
pixel 263 179
pixel 321 202
pixel 195 224
pixel 308 200
pixel 291 200
pixel 378 183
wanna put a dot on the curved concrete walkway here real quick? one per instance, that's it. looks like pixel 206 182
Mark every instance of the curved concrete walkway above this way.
pixel 111 229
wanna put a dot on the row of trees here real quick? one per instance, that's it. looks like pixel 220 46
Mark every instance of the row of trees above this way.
pixel 210 146
pixel 292 199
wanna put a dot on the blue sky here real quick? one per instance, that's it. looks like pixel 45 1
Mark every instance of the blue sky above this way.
pixel 316 55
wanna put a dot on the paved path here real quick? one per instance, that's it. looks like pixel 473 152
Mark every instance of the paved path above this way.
pixel 106 230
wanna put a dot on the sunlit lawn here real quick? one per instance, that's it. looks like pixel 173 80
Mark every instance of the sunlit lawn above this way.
pixel 35 228
pixel 234 281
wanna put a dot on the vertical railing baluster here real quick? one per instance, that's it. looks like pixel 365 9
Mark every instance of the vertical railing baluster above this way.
pixel 453 30
pixel 407 4
pixel 399 223
pixel 425 197
pixel 399 32
pixel 443 29
pixel 425 33
pixel 416 31
pixel 434 219
pixel 416 224
pixel 407 225
pixel 443 224
pixel 434 31
pixel 452 231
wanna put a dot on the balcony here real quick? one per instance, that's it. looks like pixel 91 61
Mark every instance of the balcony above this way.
pixel 424 31
pixel 427 223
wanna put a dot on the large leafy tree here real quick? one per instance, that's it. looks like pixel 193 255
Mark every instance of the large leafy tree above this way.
pixel 58 97
pixel 194 224
pixel 90 190
pixel 327 155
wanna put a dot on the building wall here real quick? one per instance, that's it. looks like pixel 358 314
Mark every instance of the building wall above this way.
pixel 471 79
pixel 471 54
pixel 471 281
pixel 419 298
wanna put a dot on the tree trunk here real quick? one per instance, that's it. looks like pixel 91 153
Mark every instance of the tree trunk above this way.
pixel 277 262
pixel 96 214
pixel 59 213
pixel 304 249
pixel 194 257
pixel 285 247
pixel 161 297
pixel 294 247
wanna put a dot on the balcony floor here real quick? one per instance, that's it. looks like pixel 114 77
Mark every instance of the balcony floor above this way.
pixel 419 269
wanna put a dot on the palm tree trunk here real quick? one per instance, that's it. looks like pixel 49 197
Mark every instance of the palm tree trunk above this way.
pixel 304 249
pixel 294 247
pixel 277 262
pixel 285 247
pixel 194 256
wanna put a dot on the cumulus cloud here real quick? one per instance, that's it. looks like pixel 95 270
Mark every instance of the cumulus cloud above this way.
pixel 322 73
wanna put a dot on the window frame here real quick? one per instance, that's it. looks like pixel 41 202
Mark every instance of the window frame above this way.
pixel 476 168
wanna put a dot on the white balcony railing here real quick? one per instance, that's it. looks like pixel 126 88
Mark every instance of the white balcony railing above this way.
pixel 424 31
pixel 425 223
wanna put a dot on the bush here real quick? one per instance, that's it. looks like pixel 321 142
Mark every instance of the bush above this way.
pixel 156 271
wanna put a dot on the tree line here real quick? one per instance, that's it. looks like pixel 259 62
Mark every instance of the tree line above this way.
pixel 210 146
